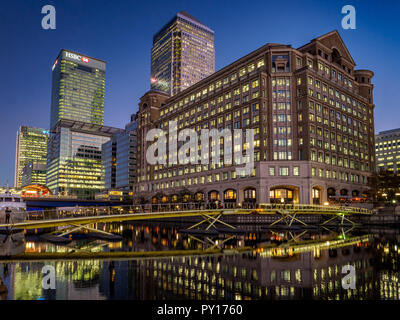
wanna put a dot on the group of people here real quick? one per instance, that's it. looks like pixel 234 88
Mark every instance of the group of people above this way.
pixel 214 205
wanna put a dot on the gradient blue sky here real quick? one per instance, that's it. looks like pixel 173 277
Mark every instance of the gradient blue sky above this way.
pixel 120 32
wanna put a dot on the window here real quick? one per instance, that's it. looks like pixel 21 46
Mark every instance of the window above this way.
pixel 296 171
pixel 271 171
pixel 284 171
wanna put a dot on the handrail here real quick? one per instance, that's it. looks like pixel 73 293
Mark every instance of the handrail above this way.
pixel 189 206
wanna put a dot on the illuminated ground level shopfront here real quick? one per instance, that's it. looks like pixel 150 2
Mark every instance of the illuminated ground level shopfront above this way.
pixel 303 182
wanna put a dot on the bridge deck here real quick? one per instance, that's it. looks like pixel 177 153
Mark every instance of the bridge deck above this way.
pixel 95 216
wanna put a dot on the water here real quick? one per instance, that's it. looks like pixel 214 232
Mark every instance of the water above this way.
pixel 311 268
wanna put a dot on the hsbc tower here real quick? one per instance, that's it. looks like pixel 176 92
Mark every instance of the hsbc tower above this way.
pixel 74 158
pixel 77 88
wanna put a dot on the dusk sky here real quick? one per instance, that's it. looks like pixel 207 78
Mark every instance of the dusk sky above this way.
pixel 120 32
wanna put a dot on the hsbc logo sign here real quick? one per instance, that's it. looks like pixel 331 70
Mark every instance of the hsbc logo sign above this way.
pixel 76 57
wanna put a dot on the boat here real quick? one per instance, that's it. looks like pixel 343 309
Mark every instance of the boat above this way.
pixel 17 206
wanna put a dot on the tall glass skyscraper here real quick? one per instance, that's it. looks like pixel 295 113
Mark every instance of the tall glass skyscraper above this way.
pixel 182 54
pixel 77 88
pixel 74 160
pixel 31 146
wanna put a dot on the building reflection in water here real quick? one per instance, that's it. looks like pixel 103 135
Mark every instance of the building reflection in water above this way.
pixel 308 269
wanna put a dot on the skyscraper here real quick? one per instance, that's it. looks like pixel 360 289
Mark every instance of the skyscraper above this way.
pixel 31 146
pixel 182 54
pixel 77 88
pixel 74 160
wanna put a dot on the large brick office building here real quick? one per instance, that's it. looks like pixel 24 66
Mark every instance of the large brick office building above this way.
pixel 313 119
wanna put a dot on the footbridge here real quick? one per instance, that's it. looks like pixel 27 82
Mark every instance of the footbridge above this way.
pixel 76 218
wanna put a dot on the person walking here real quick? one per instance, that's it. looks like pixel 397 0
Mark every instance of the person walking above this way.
pixel 8 215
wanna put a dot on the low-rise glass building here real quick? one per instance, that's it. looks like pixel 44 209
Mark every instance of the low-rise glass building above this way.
pixel 34 173
pixel 74 162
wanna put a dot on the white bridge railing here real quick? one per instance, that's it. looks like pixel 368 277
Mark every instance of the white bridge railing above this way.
pixel 62 213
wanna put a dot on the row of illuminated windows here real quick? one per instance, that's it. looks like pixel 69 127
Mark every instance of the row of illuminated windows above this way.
pixel 282 142
pixel 317 84
pixel 336 161
pixel 281 130
pixel 192 169
pixel 340 149
pixel 281 118
pixel 282 155
pixel 332 72
pixel 211 178
pixel 69 81
pixel 81 186
pixel 388 146
pixel 281 82
pixel 281 94
pixel 344 129
pixel 284 171
pixel 245 111
pixel 334 93
pixel 227 96
pixel 281 106
pixel 387 158
pixel 228 106
pixel 389 165
pixel 317 107
pixel 189 170
pixel 337 104
pixel 333 174
pixel 333 136
pixel 219 83
pixel 198 168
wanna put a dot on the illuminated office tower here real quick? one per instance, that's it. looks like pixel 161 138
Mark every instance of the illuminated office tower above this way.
pixel 74 159
pixel 182 54
pixel 34 173
pixel 31 146
pixel 77 89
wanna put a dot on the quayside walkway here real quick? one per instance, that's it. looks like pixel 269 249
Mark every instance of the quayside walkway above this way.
pixel 82 217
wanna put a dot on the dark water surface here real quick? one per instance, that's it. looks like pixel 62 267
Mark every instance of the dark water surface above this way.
pixel 310 268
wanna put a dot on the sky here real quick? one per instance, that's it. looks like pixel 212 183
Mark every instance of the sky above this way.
pixel 120 32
